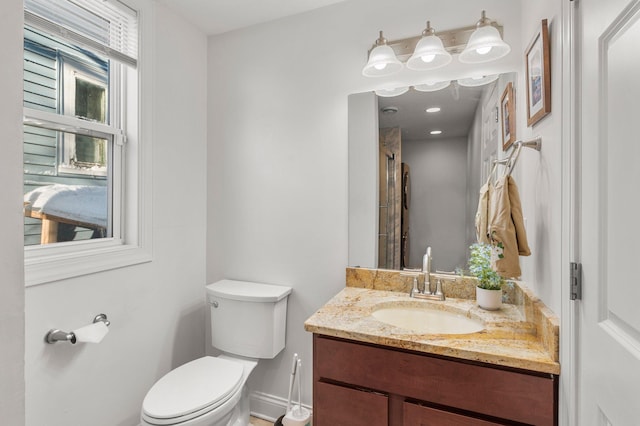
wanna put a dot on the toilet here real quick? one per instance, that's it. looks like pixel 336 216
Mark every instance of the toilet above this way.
pixel 248 322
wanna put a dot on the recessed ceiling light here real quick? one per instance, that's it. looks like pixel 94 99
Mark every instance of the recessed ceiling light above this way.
pixel 433 109
pixel 435 132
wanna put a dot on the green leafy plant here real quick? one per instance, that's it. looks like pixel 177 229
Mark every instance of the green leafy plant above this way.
pixel 480 267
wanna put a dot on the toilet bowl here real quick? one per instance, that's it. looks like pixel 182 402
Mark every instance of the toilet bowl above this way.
pixel 203 392
pixel 248 322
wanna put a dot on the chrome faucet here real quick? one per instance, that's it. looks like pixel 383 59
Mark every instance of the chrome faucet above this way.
pixel 426 290
pixel 426 270
pixel 426 293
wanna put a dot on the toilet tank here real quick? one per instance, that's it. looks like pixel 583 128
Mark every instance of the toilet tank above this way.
pixel 248 319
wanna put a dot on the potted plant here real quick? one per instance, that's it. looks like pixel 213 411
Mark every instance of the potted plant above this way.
pixel 489 287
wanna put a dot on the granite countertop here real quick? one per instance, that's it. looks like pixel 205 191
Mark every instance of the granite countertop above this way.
pixel 522 335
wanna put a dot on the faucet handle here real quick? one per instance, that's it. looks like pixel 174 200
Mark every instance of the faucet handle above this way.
pixel 438 286
pixel 414 289
pixel 415 274
pixel 439 292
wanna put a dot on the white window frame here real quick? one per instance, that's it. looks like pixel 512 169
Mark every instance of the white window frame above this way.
pixel 132 240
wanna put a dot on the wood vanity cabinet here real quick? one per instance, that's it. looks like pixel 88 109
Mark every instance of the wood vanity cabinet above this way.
pixel 359 384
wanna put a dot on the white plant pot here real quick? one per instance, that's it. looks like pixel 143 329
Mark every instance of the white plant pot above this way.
pixel 490 300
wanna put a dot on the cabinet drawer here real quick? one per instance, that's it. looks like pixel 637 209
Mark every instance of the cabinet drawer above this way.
pixel 513 395
pixel 341 406
pixel 419 415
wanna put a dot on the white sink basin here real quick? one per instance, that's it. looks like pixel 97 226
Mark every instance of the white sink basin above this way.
pixel 427 321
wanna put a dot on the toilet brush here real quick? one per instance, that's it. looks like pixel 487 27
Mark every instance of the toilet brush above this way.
pixel 298 415
pixel 294 368
pixel 291 380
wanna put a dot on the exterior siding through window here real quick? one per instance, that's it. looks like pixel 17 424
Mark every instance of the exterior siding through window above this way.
pixel 41 146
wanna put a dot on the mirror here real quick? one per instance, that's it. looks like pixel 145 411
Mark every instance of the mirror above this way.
pixel 411 186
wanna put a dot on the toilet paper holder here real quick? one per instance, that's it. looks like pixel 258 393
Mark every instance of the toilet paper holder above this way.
pixel 55 335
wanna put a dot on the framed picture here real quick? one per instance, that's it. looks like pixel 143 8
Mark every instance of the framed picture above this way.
pixel 538 76
pixel 508 114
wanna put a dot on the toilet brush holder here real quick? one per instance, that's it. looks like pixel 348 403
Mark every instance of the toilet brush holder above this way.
pixel 298 416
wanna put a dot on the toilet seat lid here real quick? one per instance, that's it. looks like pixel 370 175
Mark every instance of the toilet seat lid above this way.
pixel 204 382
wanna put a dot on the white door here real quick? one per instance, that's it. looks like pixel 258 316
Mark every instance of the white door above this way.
pixel 608 60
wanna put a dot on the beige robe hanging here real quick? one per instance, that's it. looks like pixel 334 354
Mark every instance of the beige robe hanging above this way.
pixel 482 214
pixel 507 234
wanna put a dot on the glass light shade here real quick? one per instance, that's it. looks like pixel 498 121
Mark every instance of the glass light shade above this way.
pixel 432 87
pixel 478 81
pixel 382 62
pixel 391 92
pixel 485 44
pixel 429 54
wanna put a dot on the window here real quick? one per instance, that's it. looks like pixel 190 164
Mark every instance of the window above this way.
pixel 68 173
pixel 84 93
pixel 81 121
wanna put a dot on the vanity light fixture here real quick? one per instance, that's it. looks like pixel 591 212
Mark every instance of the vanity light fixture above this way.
pixel 475 81
pixel 432 86
pixel 429 53
pixel 382 60
pixel 477 43
pixel 391 92
pixel 435 132
pixel 485 44
pixel 432 110
pixel 480 80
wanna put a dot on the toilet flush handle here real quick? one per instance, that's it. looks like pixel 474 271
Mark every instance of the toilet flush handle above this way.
pixel 214 303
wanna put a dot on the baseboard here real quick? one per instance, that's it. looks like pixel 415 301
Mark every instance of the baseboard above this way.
pixel 268 407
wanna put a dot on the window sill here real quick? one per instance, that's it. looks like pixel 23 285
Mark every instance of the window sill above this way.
pixel 47 264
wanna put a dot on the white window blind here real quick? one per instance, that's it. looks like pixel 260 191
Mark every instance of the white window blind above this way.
pixel 109 27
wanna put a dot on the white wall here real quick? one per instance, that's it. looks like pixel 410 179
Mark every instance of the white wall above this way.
pixel 539 175
pixel 156 309
pixel 437 212
pixel 11 254
pixel 363 179
pixel 277 188
pixel 474 172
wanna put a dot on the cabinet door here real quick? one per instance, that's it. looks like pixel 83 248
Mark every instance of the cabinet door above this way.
pixel 420 415
pixel 517 396
pixel 341 406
